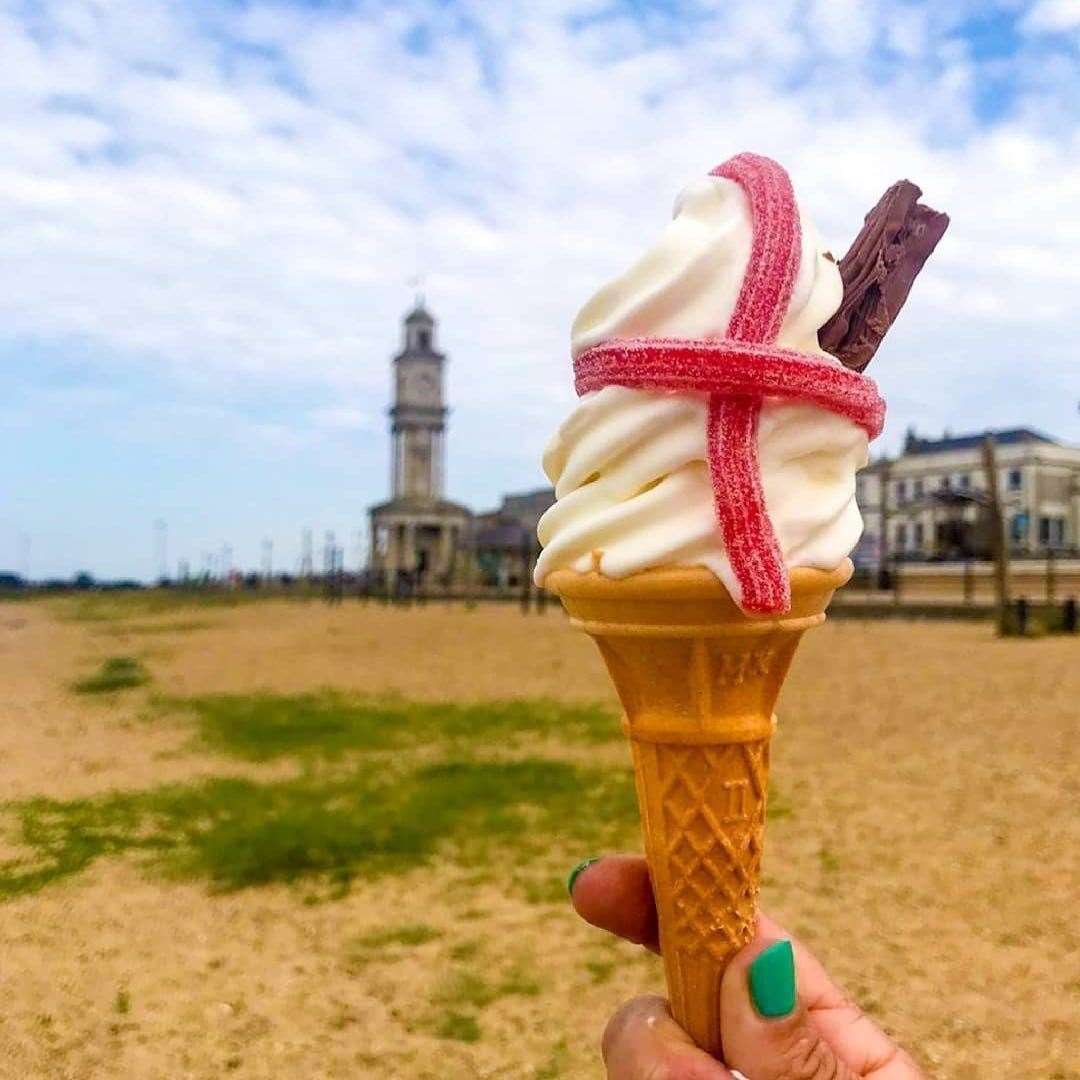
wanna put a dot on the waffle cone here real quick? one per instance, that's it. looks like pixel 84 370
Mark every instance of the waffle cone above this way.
pixel 698 680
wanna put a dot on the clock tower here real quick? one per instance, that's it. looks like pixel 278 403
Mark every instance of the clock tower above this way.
pixel 418 415
pixel 418 535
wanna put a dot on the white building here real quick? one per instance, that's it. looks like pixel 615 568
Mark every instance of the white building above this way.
pixel 930 502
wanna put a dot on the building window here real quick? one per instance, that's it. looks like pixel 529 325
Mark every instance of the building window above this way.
pixel 1016 480
pixel 917 485
pixel 423 340
pixel 1052 532
pixel 918 530
pixel 946 483
pixel 1018 528
pixel 963 481
pixel 901 490
pixel 901 537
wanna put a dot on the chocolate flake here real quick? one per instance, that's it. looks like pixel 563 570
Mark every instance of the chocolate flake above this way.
pixel 894 243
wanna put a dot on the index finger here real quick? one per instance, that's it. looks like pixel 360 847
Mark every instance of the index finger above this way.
pixel 615 894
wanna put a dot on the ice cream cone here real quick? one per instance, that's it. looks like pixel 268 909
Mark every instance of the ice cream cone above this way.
pixel 698 680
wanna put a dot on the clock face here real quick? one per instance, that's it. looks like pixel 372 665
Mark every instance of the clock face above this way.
pixel 423 387
pixel 418 386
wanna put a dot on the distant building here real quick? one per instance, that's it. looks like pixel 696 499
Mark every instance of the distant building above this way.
pixel 930 503
pixel 418 535
pixel 504 540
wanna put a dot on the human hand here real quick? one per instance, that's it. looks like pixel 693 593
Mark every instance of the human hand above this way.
pixel 769 1031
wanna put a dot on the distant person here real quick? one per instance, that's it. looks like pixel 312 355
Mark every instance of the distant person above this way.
pixel 782 1017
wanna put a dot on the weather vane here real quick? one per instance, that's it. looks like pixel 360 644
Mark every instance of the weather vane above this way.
pixel 416 283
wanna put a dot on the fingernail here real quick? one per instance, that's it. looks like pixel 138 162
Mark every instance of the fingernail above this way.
pixel 772 980
pixel 578 871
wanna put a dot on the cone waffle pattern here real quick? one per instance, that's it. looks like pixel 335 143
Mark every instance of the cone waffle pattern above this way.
pixel 712 830
pixel 698 681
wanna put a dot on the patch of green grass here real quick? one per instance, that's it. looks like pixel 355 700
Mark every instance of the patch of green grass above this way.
pixel 556 1063
pixel 829 862
pixel 383 944
pixel 176 626
pixel 464 987
pixel 467 992
pixel 600 970
pixel 465 950
pixel 459 1026
pixel 262 727
pixel 237 833
pixel 545 889
pixel 520 980
pixel 115 673
pixel 410 934
pixel 778 806
pixel 104 607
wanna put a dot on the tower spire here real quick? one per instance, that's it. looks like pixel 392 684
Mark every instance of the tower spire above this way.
pixel 417 283
pixel 418 415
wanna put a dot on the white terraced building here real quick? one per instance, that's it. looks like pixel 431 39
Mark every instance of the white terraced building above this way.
pixel 928 504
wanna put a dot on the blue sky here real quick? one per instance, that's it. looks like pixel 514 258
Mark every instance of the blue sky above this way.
pixel 211 212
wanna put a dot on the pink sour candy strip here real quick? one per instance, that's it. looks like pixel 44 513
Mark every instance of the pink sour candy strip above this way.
pixel 723 368
pixel 775 249
pixel 731 426
pixel 738 372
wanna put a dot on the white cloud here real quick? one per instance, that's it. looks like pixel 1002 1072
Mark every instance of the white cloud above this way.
pixel 242 201
pixel 341 418
pixel 1053 16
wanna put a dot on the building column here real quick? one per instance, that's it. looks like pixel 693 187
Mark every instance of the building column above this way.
pixel 436 464
pixel 1072 539
pixel 884 539
pixel 375 560
pixel 392 560
pixel 1031 505
pixel 446 549
pixel 395 463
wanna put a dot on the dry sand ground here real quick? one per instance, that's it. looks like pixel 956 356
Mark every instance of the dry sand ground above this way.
pixel 929 858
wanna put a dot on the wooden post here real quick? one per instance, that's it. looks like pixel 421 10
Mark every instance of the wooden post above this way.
pixel 883 514
pixel 998 540
pixel 526 573
pixel 470 569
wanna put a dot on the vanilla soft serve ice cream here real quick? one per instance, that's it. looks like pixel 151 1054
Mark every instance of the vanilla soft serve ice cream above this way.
pixel 630 466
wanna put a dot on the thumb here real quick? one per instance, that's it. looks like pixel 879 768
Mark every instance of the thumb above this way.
pixel 643 1042
pixel 767 1032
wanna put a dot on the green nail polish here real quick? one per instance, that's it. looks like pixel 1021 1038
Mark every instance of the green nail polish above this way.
pixel 578 871
pixel 772 980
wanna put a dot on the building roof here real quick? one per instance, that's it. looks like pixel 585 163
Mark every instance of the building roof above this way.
pixel 534 497
pixel 504 534
pixel 525 507
pixel 412 505
pixel 420 313
pixel 1006 437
